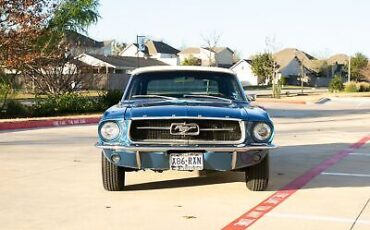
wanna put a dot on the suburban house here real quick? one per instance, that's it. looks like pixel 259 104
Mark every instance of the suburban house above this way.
pixel 163 52
pixel 112 71
pixel 218 56
pixel 243 69
pixel 82 44
pixel 293 62
pixel 338 65
pixel 132 50
pixel 153 49
pixel 341 59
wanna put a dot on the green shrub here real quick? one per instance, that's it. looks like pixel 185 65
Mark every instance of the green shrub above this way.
pixel 110 98
pixel 283 81
pixel 15 109
pixel 4 94
pixel 55 105
pixel 351 87
pixel 71 103
pixel 336 84
pixel 363 86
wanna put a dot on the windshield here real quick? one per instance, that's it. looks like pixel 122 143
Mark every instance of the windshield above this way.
pixel 185 84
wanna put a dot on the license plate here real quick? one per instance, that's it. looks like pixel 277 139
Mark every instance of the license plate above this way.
pixel 186 161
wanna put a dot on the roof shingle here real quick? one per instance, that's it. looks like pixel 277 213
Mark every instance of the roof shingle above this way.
pixel 128 62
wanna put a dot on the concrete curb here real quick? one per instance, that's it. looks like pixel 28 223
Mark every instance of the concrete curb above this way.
pixel 44 123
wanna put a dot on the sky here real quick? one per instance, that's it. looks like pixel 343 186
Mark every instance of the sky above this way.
pixel 319 27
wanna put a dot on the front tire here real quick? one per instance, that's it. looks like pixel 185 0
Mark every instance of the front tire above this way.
pixel 257 176
pixel 113 175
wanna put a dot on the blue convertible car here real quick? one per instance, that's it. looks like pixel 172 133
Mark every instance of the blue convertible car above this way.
pixel 185 118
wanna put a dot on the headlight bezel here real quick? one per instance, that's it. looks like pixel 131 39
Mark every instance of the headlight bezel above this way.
pixel 118 131
pixel 266 125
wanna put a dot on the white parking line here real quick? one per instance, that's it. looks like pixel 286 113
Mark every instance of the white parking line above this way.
pixel 360 154
pixel 317 218
pixel 345 174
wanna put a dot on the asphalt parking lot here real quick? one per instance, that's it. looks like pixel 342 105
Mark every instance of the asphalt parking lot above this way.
pixel 51 179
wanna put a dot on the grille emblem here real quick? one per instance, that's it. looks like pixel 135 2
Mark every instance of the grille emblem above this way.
pixel 184 129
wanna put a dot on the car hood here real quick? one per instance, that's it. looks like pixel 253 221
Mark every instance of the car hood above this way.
pixel 132 110
pixel 187 109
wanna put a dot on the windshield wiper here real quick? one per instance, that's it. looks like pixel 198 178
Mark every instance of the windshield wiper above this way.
pixel 154 96
pixel 208 96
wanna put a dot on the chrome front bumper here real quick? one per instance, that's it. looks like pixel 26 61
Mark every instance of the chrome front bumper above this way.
pixel 139 153
pixel 237 148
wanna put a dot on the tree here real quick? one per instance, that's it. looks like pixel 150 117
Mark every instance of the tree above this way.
pixel 57 76
pixel 191 61
pixel 324 69
pixel 358 63
pixel 21 24
pixel 262 67
pixel 118 47
pixel 236 56
pixel 34 40
pixel 5 89
pixel 212 41
pixel 336 84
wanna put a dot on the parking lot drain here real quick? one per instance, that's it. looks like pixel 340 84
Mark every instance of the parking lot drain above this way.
pixel 190 217
pixel 256 213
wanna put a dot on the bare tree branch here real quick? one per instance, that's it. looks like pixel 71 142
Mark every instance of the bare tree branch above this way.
pixel 211 42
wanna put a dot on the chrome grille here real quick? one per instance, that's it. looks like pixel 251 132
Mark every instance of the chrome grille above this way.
pixel 211 131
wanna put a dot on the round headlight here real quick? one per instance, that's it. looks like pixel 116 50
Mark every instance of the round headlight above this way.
pixel 109 131
pixel 262 131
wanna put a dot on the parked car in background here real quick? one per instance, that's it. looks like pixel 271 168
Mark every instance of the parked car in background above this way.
pixel 185 118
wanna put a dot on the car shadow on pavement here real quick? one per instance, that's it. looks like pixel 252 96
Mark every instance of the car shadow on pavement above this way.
pixel 286 164
pixel 209 179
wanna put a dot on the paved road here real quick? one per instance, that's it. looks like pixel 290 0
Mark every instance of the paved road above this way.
pixel 50 179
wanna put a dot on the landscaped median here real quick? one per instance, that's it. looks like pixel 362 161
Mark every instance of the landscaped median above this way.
pixel 55 110
pixel 24 123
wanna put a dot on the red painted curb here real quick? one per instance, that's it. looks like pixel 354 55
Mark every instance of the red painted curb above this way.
pixel 56 122
pixel 251 216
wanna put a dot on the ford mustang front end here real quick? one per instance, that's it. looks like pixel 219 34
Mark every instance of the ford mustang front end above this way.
pixel 185 119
